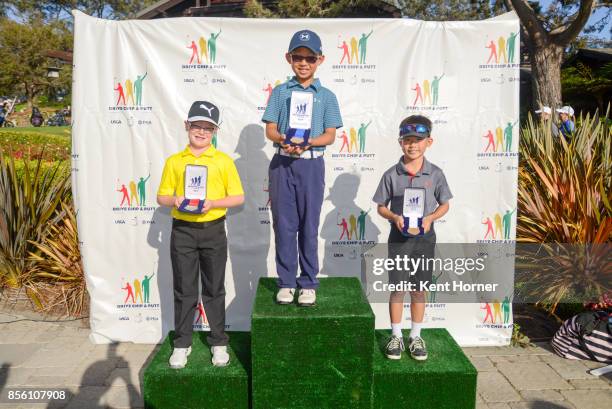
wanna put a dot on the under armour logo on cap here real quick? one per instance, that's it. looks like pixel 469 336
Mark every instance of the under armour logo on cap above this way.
pixel 308 39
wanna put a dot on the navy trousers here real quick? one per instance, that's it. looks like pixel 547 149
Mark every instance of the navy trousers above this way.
pixel 297 186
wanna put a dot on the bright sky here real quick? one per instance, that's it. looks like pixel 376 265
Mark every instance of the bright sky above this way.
pixel 605 34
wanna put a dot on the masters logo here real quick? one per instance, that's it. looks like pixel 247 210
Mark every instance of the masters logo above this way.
pixel 497 228
pixel 137 292
pixel 353 143
pixel 352 228
pixel 352 52
pixel 128 94
pixel 202 52
pixel 493 317
pixel 501 53
pixel 499 144
pixel 132 194
pixel 426 94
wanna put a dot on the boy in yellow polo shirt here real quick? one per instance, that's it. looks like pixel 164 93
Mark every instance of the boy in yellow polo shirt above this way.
pixel 198 243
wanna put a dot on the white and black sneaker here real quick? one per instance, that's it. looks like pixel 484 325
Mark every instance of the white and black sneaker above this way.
pixel 394 347
pixel 285 296
pixel 417 348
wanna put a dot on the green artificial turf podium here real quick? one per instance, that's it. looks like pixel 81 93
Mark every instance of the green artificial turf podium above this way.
pixel 199 385
pixel 446 380
pixel 326 356
pixel 313 357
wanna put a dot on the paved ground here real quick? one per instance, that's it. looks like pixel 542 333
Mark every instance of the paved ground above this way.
pixel 34 354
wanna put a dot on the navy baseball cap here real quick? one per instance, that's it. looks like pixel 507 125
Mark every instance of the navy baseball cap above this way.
pixel 308 39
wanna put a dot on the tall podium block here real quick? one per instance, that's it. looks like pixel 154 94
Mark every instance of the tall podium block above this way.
pixel 313 357
pixel 446 380
pixel 200 384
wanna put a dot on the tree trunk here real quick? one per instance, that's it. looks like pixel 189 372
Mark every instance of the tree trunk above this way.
pixel 546 75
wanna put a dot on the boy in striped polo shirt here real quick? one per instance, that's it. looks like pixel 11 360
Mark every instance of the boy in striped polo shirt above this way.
pixel 297 173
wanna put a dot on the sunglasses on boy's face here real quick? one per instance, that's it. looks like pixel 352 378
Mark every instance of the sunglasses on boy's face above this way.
pixel 197 128
pixel 310 59
pixel 413 128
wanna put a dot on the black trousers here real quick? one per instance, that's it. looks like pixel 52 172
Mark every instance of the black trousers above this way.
pixel 198 249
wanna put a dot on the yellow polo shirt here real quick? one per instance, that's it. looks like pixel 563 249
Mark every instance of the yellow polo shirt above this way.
pixel 223 180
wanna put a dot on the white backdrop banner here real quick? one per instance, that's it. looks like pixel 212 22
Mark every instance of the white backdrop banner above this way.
pixel 134 82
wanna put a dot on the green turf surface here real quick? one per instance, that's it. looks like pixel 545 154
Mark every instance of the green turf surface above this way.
pixel 313 357
pixel 446 380
pixel 199 385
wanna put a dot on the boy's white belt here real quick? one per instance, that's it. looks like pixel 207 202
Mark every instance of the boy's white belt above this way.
pixel 309 154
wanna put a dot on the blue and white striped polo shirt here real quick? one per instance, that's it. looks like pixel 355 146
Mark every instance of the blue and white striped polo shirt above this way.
pixel 325 111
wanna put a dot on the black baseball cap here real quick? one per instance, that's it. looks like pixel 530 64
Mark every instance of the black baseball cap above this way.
pixel 204 111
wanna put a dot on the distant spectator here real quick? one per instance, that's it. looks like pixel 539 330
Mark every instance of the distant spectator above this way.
pixel 546 115
pixel 567 126
pixel 3 112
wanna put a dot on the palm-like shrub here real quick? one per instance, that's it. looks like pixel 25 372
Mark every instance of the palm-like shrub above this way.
pixel 564 197
pixel 30 203
pixel 57 269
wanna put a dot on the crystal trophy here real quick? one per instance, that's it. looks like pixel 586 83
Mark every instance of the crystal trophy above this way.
pixel 414 210
pixel 300 118
pixel 195 189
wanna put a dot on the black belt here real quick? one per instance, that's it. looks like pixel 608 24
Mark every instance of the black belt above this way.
pixel 197 225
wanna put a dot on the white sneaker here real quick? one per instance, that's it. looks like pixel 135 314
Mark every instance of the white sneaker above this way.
pixel 307 297
pixel 285 295
pixel 179 356
pixel 220 356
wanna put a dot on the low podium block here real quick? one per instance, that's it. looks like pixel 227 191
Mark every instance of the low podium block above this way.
pixel 313 357
pixel 200 384
pixel 446 380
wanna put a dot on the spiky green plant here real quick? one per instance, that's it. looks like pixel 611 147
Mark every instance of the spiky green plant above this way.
pixel 29 205
pixel 57 272
pixel 564 197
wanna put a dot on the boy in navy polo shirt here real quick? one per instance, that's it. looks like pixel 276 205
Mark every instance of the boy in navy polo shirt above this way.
pixel 413 173
pixel 297 173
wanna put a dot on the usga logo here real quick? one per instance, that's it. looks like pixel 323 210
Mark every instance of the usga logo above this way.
pixel 128 93
pixel 353 143
pixel 500 53
pixel 136 292
pixel 499 141
pixel 353 52
pixel 201 52
pixel 497 228
pixel 425 94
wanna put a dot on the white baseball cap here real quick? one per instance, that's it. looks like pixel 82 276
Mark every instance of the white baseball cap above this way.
pixel 566 110
pixel 545 110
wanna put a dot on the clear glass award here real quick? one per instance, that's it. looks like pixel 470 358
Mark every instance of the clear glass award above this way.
pixel 414 210
pixel 195 188
pixel 300 118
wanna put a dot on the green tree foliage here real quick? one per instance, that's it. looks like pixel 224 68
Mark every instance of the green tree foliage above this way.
pixel 581 81
pixel 23 64
pixel 61 9
pixel 306 8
